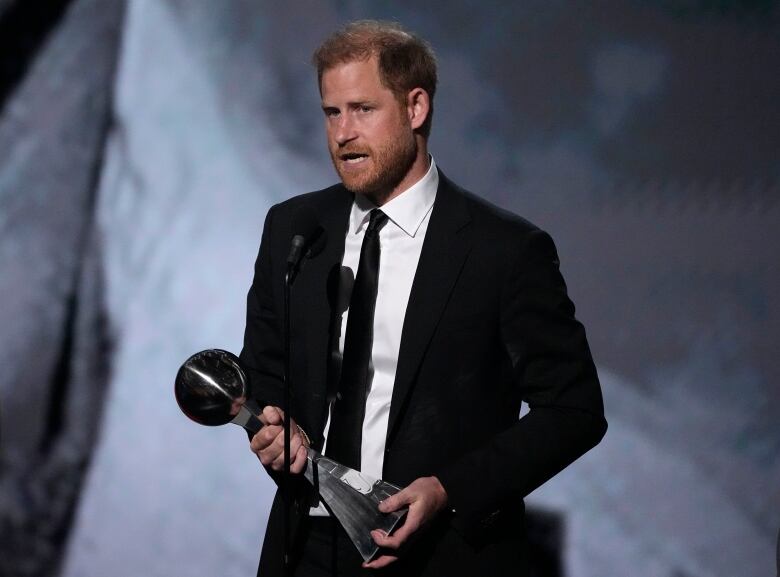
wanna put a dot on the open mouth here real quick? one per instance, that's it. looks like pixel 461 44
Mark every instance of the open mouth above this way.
pixel 353 157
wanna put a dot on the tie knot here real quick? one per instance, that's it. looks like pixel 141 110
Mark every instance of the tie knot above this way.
pixel 376 219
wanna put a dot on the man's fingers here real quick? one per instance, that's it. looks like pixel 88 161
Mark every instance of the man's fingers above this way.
pixel 379 562
pixel 269 455
pixel 398 501
pixel 384 540
pixel 401 499
pixel 425 497
pixel 275 452
pixel 264 437
pixel 295 443
pixel 299 461
pixel 268 443
pixel 394 541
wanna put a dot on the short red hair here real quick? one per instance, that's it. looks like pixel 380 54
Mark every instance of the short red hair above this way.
pixel 405 61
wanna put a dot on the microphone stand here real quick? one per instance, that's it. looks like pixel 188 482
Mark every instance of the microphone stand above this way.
pixel 286 480
pixel 294 258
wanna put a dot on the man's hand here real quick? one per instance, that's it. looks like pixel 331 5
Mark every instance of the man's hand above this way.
pixel 268 442
pixel 425 497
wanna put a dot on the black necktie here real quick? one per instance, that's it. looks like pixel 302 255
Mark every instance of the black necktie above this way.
pixel 346 419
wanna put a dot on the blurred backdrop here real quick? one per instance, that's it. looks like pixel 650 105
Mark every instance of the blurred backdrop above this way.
pixel 142 141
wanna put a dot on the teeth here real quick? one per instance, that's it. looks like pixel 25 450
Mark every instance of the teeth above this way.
pixel 354 160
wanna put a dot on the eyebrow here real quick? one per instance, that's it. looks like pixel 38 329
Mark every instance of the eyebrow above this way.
pixel 351 104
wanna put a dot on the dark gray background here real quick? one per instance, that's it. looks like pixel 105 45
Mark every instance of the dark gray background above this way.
pixel 141 144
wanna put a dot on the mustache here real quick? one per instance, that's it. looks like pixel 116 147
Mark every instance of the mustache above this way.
pixel 343 151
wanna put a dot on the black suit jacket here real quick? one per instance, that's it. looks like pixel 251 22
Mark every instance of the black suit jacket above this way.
pixel 488 325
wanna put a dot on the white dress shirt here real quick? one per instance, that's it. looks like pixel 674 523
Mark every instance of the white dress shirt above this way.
pixel 400 240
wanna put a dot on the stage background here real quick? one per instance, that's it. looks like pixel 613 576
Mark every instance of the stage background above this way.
pixel 142 142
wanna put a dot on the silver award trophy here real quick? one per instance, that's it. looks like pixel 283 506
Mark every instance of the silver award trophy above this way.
pixel 211 389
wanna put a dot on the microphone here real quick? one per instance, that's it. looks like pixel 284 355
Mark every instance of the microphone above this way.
pixel 308 238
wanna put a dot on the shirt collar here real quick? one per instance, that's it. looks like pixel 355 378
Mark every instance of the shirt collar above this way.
pixel 407 210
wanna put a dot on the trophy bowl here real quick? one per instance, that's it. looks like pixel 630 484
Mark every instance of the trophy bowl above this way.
pixel 211 387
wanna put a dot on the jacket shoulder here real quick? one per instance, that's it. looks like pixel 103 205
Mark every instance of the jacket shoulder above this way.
pixel 488 217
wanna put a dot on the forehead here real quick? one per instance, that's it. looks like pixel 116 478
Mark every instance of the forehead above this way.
pixel 357 79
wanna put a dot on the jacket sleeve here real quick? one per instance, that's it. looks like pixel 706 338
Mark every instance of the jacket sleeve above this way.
pixel 552 364
pixel 262 355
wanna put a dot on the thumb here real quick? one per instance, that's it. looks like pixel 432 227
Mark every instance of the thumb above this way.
pixel 272 415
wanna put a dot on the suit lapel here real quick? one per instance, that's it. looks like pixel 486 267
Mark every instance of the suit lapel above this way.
pixel 447 244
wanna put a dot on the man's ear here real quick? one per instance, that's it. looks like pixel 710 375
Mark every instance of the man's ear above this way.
pixel 418 106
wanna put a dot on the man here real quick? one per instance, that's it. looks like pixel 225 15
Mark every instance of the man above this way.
pixel 457 314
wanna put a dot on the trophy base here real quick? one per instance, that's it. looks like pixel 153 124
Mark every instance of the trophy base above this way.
pixel 353 498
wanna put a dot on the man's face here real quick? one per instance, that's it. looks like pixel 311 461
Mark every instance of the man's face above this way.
pixel 370 138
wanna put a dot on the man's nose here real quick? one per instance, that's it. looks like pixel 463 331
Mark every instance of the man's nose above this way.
pixel 344 130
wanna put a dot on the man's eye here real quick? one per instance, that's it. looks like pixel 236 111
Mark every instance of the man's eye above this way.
pixel 331 112
pixel 365 109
